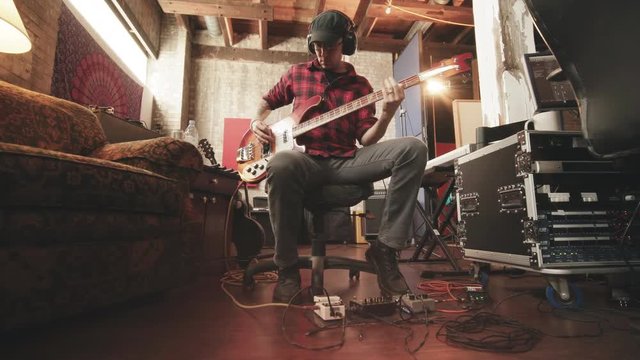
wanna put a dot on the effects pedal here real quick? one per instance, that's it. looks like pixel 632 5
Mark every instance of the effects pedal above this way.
pixel 477 295
pixel 379 306
pixel 329 309
pixel 418 303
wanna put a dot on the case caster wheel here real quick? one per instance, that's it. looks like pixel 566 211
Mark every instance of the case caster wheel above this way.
pixel 481 273
pixel 354 275
pixel 572 300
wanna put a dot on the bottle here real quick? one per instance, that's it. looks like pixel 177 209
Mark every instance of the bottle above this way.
pixel 191 133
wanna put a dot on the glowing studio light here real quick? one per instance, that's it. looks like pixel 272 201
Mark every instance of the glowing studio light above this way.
pixel 387 10
pixel 435 86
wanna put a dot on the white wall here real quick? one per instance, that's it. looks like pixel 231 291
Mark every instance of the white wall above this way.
pixel 504 33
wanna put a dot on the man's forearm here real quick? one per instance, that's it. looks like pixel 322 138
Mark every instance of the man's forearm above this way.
pixel 262 111
pixel 377 131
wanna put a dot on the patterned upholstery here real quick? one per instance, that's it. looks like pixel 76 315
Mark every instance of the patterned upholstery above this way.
pixel 38 120
pixel 84 223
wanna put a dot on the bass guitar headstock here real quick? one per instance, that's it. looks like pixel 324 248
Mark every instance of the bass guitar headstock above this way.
pixel 449 67
pixel 207 150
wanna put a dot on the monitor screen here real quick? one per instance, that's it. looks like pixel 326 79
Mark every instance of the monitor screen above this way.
pixel 549 94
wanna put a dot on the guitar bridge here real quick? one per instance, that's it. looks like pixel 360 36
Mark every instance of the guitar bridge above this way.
pixel 245 153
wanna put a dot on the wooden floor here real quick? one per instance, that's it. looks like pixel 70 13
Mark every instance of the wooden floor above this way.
pixel 199 321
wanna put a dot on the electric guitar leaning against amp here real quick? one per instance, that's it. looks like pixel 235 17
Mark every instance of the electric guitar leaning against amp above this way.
pixel 252 156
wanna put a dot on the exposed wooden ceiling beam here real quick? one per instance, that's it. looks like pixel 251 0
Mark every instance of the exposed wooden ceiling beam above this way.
pixel 225 31
pixel 456 14
pixel 264 34
pixel 293 14
pixel 361 11
pixel 320 6
pixel 365 27
pixel 183 23
pixel 228 25
pixel 255 55
pixel 240 9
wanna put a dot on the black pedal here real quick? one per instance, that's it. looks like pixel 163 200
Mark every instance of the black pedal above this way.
pixel 477 295
pixel 379 306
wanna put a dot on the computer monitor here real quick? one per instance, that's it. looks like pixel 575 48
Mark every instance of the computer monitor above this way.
pixel 549 93
pixel 595 44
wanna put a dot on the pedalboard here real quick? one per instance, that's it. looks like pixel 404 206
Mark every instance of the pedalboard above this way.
pixel 418 303
pixel 379 306
pixel 329 308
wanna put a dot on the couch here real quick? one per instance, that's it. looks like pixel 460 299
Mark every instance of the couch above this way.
pixel 85 223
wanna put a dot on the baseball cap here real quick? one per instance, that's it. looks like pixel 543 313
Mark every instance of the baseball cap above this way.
pixel 328 27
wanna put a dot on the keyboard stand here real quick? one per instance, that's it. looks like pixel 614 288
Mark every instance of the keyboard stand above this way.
pixel 439 172
pixel 434 230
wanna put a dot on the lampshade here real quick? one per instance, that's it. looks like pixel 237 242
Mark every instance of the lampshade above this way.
pixel 14 39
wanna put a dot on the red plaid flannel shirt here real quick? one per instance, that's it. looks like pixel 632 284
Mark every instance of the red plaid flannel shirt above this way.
pixel 338 137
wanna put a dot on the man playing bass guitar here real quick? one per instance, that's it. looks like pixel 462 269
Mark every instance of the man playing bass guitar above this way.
pixel 332 157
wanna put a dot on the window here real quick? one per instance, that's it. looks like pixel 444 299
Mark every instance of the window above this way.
pixel 98 15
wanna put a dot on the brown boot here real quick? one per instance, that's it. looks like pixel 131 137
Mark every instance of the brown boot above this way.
pixel 383 259
pixel 288 286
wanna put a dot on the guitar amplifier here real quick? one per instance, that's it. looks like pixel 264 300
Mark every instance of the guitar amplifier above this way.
pixel 261 215
pixel 260 202
pixel 540 200
pixel 373 207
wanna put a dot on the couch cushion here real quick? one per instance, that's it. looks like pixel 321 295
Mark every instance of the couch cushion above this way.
pixel 173 158
pixel 38 120
pixel 38 178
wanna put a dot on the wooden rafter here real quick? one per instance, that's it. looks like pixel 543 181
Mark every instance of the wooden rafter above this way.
pixel 319 6
pixel 239 9
pixel 361 11
pixel 235 54
pixel 226 35
pixel 264 34
pixel 365 27
pixel 456 14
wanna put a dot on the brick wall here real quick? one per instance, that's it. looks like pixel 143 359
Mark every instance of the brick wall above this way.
pixel 166 77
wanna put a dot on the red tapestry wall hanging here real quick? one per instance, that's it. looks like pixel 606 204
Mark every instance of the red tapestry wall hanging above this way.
pixel 85 74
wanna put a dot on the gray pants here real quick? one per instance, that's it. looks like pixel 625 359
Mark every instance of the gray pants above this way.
pixel 291 174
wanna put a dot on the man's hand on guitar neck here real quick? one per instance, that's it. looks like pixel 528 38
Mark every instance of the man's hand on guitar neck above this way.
pixel 393 94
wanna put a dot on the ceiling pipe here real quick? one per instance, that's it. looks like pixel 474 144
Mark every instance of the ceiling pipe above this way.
pixel 213 25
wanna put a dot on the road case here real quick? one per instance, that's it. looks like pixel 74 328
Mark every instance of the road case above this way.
pixel 540 201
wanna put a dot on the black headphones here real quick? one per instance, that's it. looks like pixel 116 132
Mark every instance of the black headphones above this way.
pixel 349 39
